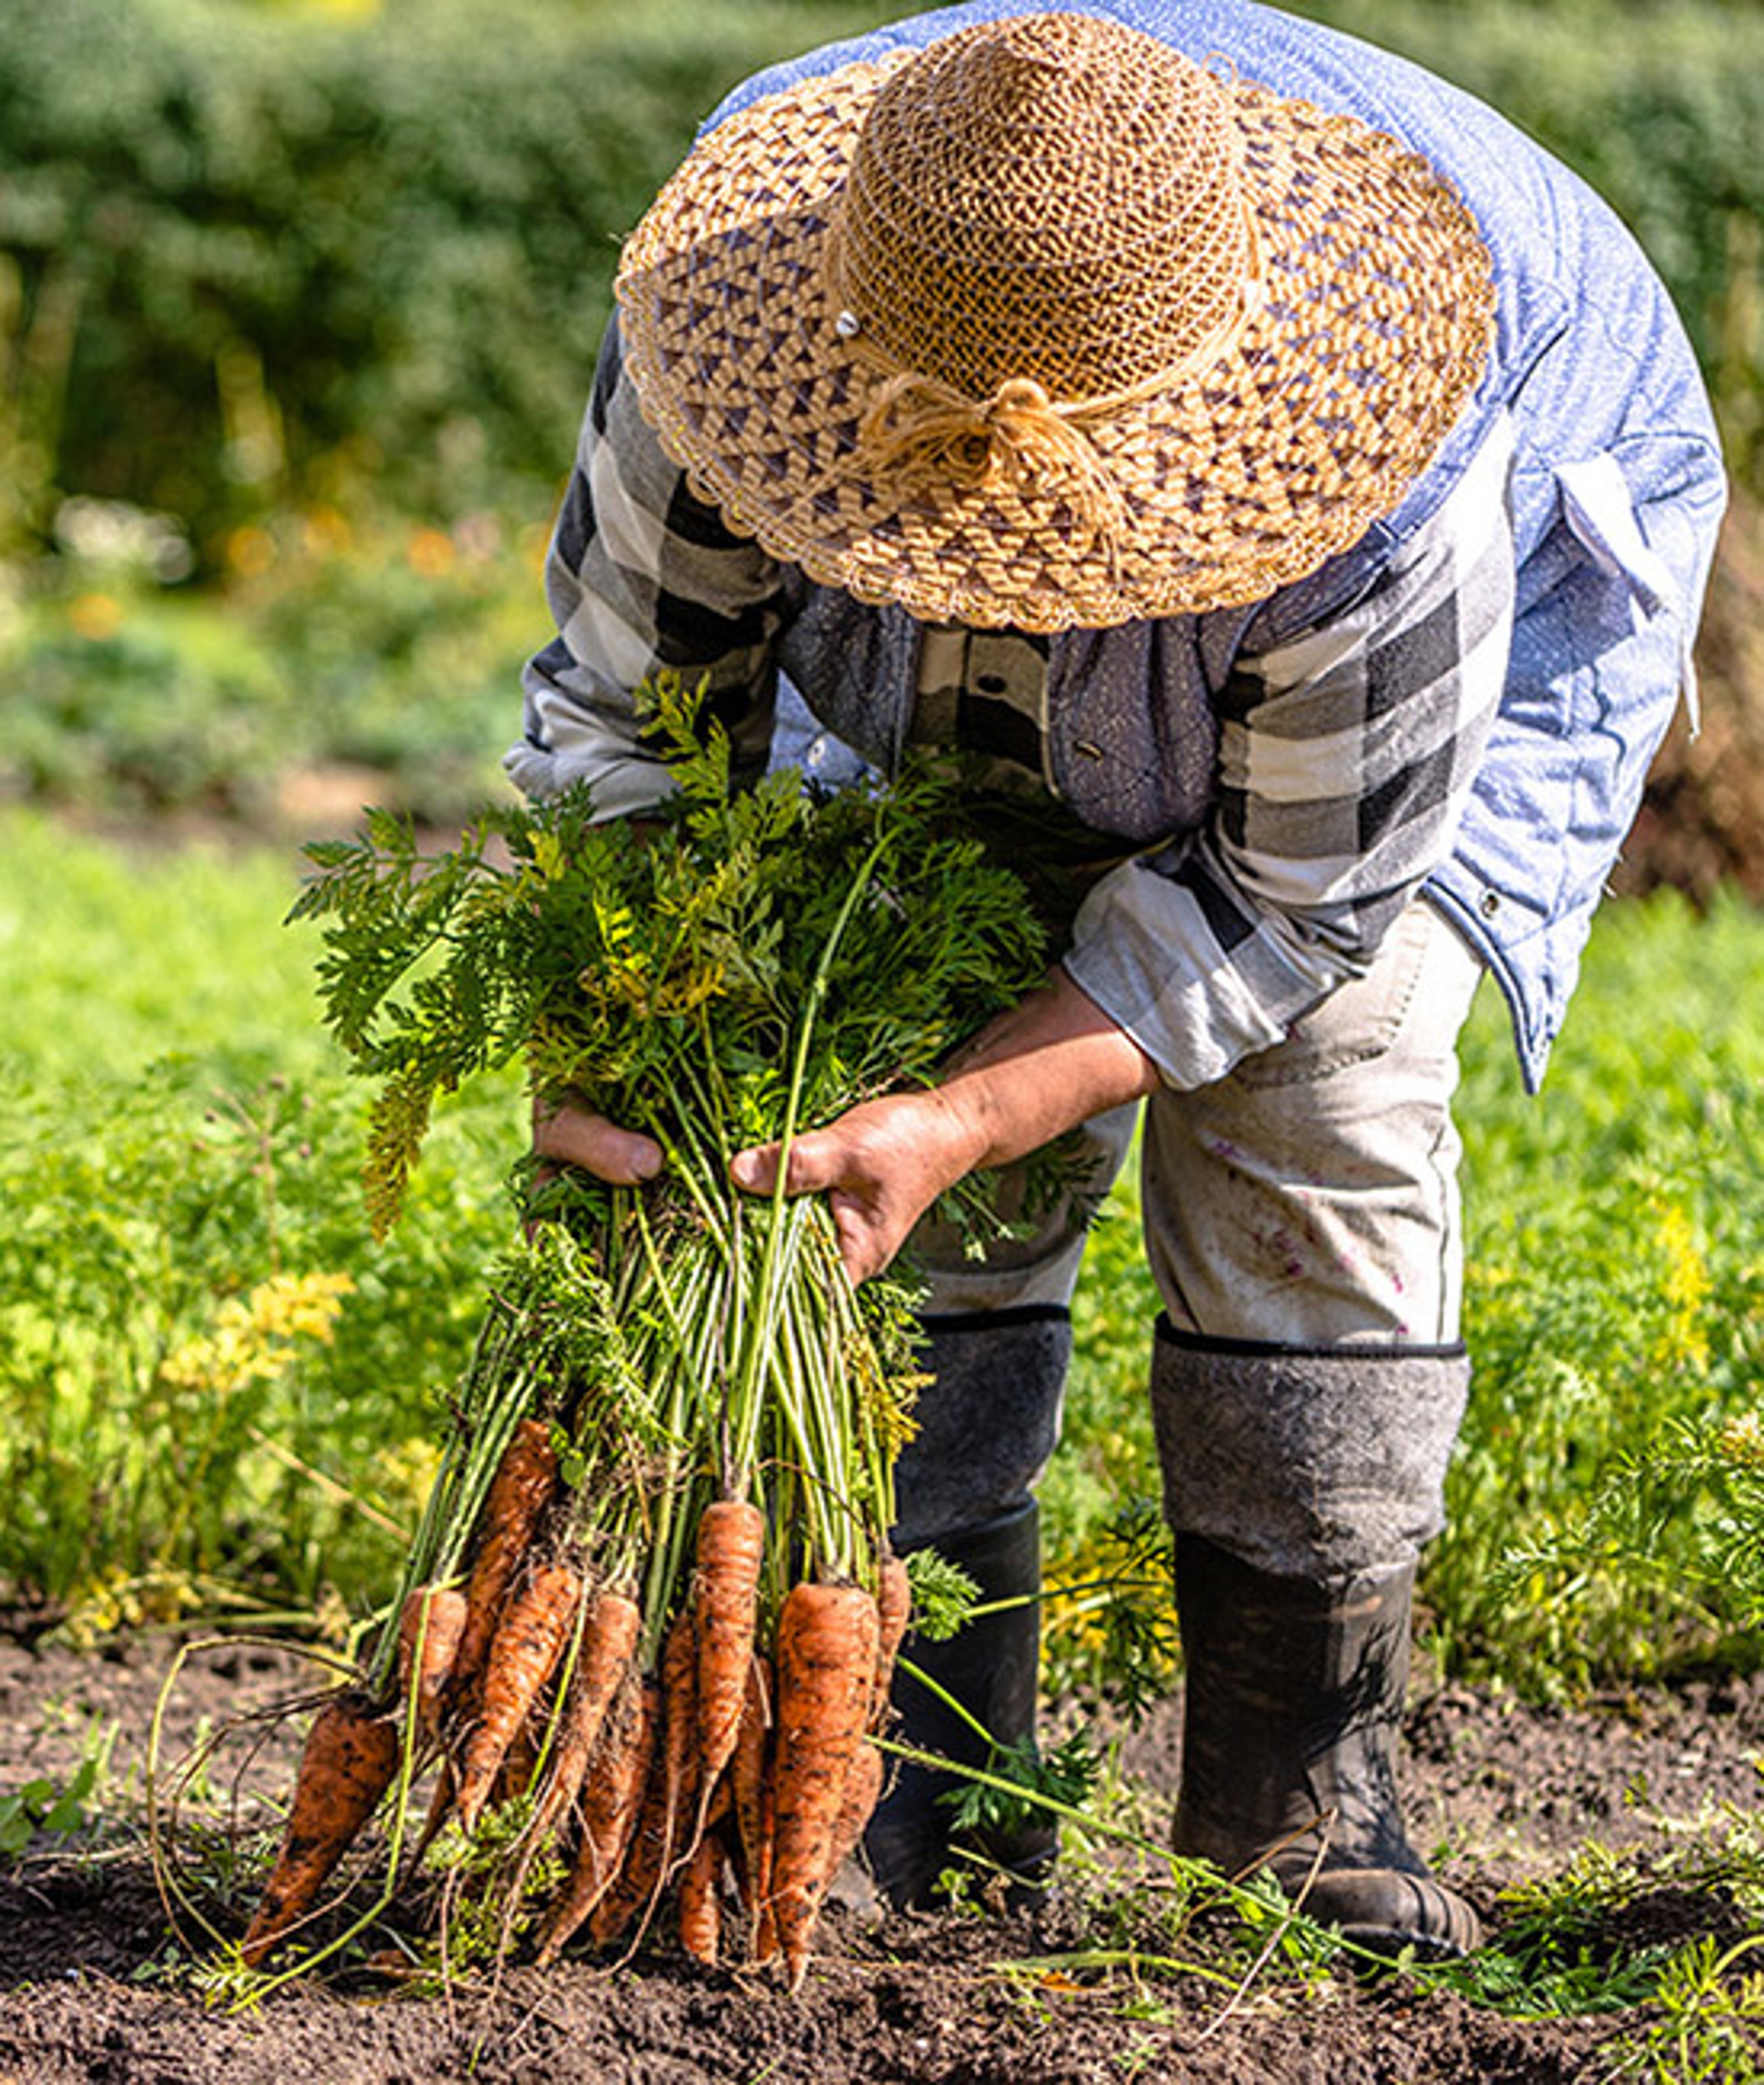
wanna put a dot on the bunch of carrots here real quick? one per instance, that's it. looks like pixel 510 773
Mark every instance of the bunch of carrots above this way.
pixel 647 1627
pixel 635 1732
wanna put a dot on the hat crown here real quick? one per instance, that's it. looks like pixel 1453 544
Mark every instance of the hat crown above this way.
pixel 1050 197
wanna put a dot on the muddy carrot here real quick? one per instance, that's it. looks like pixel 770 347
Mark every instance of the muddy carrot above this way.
pixel 864 1787
pixel 520 1491
pixel 701 1913
pixel 523 1658
pixel 515 1775
pixel 610 1624
pixel 746 1778
pixel 655 1846
pixel 640 1873
pixel 826 1671
pixel 432 1617
pixel 680 1734
pixel 731 1542
pixel 894 1612
pixel 351 1755
pixel 614 1793
pixel 762 1931
pixel 719 1806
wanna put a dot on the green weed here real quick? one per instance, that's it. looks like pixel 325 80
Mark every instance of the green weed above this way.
pixel 1615 1232
pixel 1711 2025
pixel 45 1808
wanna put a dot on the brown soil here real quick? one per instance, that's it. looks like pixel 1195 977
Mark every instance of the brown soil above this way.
pixel 1502 1793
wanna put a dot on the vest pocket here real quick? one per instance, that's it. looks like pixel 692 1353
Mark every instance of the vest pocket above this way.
pixel 1596 505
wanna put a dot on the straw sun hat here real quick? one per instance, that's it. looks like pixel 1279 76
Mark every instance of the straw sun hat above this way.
pixel 1047 325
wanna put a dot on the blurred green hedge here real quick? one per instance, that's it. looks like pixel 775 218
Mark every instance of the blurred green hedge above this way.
pixel 252 252
pixel 247 251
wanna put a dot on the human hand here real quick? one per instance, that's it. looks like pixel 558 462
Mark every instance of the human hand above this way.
pixel 1049 1063
pixel 880 1164
pixel 565 1134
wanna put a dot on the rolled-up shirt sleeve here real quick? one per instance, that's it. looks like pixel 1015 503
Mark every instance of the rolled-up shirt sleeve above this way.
pixel 641 575
pixel 1347 754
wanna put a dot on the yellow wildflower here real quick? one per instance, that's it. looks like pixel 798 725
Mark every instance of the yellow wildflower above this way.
pixel 94 616
pixel 430 553
pixel 250 1336
pixel 298 1306
pixel 1684 1289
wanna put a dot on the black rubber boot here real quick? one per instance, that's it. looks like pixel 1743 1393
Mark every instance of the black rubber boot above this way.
pixel 992 1667
pixel 1294 1694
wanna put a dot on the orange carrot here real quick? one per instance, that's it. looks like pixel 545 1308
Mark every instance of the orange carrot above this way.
pixel 440 1809
pixel 433 1616
pixel 746 1778
pixel 640 1873
pixel 515 1775
pixel 520 1491
pixel 827 1640
pixel 731 1544
pixel 351 1755
pixel 762 1930
pixel 614 1794
pixel 719 1805
pixel 680 1693
pixel 700 1913
pixel 523 1658
pixel 894 1612
pixel 864 1787
pixel 610 1624
pixel 655 1846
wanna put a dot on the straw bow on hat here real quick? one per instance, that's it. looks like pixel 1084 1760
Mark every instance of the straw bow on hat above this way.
pixel 1048 325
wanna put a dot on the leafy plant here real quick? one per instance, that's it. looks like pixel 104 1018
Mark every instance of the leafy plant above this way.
pixel 48 1809
pixel 1111 1632
pixel 1612 1296
pixel 1023 1780
pixel 1711 2026
pixel 188 1305
pixel 1681 1514
pixel 665 981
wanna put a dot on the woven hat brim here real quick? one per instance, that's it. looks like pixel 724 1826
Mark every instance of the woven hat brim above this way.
pixel 1370 336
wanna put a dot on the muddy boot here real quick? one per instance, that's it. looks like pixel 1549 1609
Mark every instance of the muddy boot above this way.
pixel 992 1668
pixel 1302 1483
pixel 1294 1695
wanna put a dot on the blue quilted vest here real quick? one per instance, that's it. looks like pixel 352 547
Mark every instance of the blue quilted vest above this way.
pixel 1618 492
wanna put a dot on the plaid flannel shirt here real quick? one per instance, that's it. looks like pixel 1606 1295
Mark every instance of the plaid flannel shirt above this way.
pixel 1346 752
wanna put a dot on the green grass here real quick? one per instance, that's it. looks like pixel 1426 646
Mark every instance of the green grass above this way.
pixel 1616 1293
pixel 178 1147
pixel 116 956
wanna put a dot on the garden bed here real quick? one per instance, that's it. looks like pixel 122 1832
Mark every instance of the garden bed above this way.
pixel 89 1988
